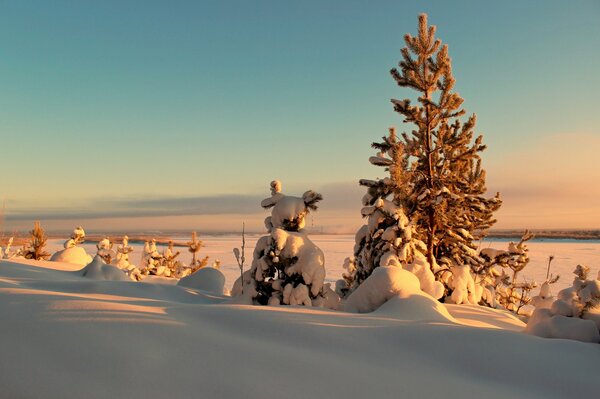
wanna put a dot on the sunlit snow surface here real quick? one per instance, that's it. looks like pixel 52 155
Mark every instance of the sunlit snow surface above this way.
pixel 66 336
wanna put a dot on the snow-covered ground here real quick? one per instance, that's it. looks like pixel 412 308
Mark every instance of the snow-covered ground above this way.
pixel 66 336
pixel 567 255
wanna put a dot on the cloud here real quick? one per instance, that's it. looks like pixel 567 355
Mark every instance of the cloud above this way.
pixel 144 207
pixel 339 212
pixel 337 197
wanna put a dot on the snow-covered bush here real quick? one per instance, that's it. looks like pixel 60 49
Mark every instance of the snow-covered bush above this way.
pixel 287 267
pixel 496 279
pixel 78 235
pixel 150 258
pixel 123 263
pixel 105 251
pixel 575 314
pixel 123 252
pixel 169 261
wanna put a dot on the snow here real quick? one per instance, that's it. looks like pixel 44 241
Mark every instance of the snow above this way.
pixel 98 270
pixel 569 316
pixel 393 290
pixel 73 254
pixel 463 285
pixel 548 323
pixel 310 263
pixel 65 336
pixel 206 279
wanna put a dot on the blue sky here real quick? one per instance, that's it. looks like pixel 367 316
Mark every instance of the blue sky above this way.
pixel 106 107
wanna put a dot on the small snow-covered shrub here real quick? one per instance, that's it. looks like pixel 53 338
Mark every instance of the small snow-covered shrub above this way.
pixel 105 251
pixel 194 247
pixel 123 263
pixel 497 279
pixel 287 267
pixel 575 314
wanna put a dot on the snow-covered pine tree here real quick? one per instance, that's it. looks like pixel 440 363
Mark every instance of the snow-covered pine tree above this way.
pixel 389 237
pixel 436 176
pixel 287 267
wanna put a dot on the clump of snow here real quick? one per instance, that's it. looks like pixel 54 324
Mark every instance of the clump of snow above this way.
pixel 384 283
pixel 72 254
pixel 98 270
pixel 548 324
pixel 463 286
pixel 544 299
pixel 206 279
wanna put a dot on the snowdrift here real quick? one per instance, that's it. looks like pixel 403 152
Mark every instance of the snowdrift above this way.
pixel 64 336
pixel 99 270
pixel 206 279
pixel 75 255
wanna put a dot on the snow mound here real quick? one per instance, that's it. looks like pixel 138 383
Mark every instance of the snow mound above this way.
pixel 206 279
pixel 573 315
pixel 415 307
pixel 99 270
pixel 75 255
pixel 546 324
pixel 383 284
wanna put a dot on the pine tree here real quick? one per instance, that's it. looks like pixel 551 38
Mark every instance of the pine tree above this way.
pixel 37 242
pixel 287 267
pixel 435 171
pixel 446 176
pixel 194 247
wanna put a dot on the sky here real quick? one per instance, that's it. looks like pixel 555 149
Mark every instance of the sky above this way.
pixel 155 115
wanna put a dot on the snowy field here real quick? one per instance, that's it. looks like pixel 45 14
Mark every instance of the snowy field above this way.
pixel 567 254
pixel 65 336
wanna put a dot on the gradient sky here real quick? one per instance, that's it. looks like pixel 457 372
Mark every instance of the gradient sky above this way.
pixel 166 115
